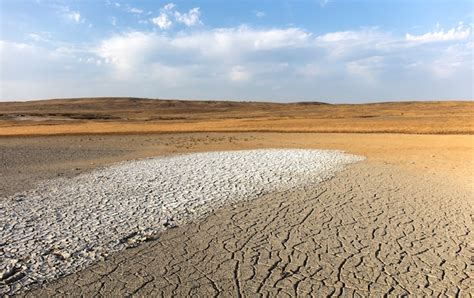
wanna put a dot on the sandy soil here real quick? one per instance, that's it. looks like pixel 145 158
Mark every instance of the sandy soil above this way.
pixel 397 223
pixel 26 160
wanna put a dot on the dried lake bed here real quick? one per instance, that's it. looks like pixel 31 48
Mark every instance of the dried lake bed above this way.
pixel 64 225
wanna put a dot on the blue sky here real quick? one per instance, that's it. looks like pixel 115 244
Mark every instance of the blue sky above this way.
pixel 322 50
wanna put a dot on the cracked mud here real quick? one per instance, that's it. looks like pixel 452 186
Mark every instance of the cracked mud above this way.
pixel 373 229
pixel 67 224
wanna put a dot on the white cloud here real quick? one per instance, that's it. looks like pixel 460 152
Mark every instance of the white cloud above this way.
pixel 40 36
pixel 134 10
pixel 342 44
pixel 359 53
pixel 238 41
pixel 339 36
pixel 191 18
pixel 71 15
pixel 241 62
pixel 240 53
pixel 126 8
pixel 169 13
pixel 260 14
pixel 74 16
pixel 132 54
pixel 113 21
pixel 459 33
pixel 169 6
pixel 127 52
pixel 452 59
pixel 163 21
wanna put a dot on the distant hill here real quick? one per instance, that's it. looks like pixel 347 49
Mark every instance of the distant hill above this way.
pixel 135 115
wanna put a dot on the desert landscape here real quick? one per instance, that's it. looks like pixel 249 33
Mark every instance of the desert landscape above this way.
pixel 150 197
pixel 201 148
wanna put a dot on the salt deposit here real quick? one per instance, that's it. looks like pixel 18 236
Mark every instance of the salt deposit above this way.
pixel 66 224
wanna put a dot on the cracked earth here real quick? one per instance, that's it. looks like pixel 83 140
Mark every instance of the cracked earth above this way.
pixel 374 229
pixel 67 224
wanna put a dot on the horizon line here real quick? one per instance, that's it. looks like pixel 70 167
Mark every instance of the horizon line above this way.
pixel 263 101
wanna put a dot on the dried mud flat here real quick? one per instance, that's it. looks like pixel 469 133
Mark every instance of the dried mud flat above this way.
pixel 67 224
pixel 398 223
pixel 369 230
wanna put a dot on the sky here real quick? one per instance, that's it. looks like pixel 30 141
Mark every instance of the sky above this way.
pixel 337 51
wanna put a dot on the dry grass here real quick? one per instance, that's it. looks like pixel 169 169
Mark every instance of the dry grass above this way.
pixel 132 115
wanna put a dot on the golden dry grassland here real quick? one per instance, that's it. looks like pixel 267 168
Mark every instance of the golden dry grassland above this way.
pixel 134 115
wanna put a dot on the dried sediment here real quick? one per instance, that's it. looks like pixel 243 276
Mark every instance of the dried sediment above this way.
pixel 372 230
pixel 67 224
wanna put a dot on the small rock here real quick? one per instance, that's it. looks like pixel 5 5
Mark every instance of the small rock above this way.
pixel 62 255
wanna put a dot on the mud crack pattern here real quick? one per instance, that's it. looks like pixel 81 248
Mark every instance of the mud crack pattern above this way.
pixel 374 229
pixel 67 224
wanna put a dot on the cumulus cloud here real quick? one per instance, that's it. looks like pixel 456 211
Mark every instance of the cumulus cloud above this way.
pixel 260 14
pixel 230 43
pixel 169 6
pixel 191 18
pixel 236 54
pixel 275 57
pixel 71 15
pixel 238 62
pixel 162 21
pixel 127 52
pixel 169 14
pixel 459 33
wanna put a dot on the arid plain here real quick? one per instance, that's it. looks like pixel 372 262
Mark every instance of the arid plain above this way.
pixel 398 222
